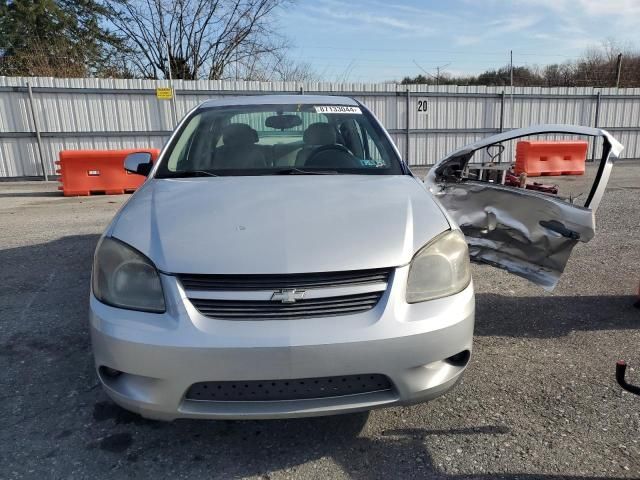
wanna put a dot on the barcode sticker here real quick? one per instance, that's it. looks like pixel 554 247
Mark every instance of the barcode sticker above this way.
pixel 337 109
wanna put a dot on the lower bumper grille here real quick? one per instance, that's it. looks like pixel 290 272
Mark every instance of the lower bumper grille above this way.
pixel 291 389
pixel 264 310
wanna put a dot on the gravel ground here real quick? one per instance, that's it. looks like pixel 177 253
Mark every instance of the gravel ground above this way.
pixel 539 399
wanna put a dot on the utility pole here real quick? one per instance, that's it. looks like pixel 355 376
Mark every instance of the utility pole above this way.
pixel 437 77
pixel 511 86
pixel 511 70
pixel 618 70
pixel 438 73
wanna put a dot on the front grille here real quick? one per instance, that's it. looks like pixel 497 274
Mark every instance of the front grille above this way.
pixel 263 310
pixel 295 280
pixel 293 389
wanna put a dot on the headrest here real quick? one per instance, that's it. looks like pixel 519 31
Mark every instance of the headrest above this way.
pixel 319 134
pixel 238 135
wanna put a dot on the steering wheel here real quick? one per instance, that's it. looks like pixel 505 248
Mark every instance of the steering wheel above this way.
pixel 324 148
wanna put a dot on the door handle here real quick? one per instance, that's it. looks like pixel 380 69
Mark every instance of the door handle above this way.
pixel 558 227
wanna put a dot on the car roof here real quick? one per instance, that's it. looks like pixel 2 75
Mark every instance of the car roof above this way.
pixel 278 100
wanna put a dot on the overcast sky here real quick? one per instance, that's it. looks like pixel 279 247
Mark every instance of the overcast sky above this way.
pixel 375 40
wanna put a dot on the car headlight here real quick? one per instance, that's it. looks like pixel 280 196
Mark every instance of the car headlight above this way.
pixel 124 278
pixel 440 268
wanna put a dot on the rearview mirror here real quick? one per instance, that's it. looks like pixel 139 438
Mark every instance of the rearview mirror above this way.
pixel 138 162
pixel 282 122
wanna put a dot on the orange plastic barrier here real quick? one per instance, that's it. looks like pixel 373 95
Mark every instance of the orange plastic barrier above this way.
pixel 536 158
pixel 86 172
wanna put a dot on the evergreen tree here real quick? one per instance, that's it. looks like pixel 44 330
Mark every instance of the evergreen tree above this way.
pixel 62 38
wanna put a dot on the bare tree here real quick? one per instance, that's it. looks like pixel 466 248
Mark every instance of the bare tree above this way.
pixel 202 38
pixel 277 67
pixel 559 75
pixel 288 70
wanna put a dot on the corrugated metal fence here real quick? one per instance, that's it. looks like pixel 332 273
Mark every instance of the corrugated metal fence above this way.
pixel 425 121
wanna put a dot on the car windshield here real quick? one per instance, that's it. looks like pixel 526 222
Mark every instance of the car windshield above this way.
pixel 279 139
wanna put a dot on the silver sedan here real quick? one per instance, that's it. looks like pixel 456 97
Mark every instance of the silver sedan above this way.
pixel 282 261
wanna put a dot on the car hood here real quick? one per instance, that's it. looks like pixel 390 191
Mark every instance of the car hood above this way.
pixel 279 224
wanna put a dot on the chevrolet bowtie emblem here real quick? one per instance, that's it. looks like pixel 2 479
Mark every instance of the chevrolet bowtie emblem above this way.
pixel 288 295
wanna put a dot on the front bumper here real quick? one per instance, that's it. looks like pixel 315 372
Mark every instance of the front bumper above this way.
pixel 162 355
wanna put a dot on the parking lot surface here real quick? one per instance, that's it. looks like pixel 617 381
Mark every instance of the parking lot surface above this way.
pixel 539 399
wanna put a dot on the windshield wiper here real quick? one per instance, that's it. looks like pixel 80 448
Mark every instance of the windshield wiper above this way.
pixel 189 173
pixel 301 171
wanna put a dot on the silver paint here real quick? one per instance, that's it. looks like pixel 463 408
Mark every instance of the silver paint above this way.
pixel 509 227
pixel 292 223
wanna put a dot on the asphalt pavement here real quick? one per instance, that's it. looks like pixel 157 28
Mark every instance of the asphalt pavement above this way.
pixel 539 399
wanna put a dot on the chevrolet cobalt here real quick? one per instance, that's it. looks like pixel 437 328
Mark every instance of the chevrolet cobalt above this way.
pixel 282 261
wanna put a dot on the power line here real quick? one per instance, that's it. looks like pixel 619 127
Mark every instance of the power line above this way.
pixel 448 52
pixel 365 60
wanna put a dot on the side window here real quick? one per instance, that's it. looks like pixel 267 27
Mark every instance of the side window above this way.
pixel 553 164
pixel 181 150
pixel 370 146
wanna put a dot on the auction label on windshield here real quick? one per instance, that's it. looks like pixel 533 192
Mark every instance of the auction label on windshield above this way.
pixel 337 109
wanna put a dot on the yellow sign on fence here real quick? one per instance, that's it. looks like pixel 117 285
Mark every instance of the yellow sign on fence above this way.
pixel 164 93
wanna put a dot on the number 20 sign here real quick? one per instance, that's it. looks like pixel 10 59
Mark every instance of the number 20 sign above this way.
pixel 422 106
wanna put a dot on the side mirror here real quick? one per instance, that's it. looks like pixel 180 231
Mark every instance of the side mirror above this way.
pixel 138 162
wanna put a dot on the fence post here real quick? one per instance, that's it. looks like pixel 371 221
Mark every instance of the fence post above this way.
pixel 174 104
pixel 501 127
pixel 595 121
pixel 595 124
pixel 37 129
pixel 408 128
pixel 502 111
